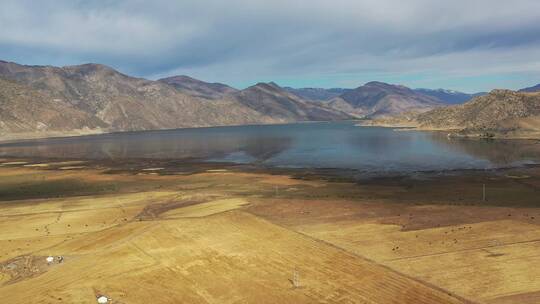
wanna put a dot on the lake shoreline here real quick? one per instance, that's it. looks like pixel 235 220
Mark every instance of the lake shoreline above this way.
pixel 454 132
pixel 174 167
pixel 32 136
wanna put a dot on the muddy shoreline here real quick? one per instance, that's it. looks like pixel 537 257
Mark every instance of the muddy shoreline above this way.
pixel 455 132
pixel 514 186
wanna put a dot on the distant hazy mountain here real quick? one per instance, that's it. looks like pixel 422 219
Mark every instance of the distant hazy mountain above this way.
pixel 378 99
pixel 445 96
pixel 499 112
pixel 449 96
pixel 93 96
pixel 195 87
pixel 535 88
pixel 317 94
pixel 271 99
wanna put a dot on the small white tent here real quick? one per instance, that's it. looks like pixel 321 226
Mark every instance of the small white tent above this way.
pixel 50 259
pixel 103 300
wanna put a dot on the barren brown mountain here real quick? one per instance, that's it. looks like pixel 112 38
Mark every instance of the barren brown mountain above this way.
pixel 113 101
pixel 501 112
pixel 25 109
pixel 276 102
pixel 378 99
pixel 195 87
pixel 317 94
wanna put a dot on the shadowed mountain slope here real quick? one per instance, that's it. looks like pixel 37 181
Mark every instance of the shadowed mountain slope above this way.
pixel 535 88
pixel 449 96
pixel 276 102
pixel 378 99
pixel 317 94
pixel 198 88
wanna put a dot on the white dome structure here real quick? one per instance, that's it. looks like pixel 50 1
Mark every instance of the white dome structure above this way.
pixel 103 300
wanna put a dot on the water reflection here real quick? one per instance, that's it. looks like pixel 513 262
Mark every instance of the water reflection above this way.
pixel 265 148
pixel 335 145
pixel 211 143
pixel 500 153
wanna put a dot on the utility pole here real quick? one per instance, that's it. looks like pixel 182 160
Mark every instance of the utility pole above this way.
pixel 484 192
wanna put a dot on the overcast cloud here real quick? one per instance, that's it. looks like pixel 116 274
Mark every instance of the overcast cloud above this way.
pixel 470 45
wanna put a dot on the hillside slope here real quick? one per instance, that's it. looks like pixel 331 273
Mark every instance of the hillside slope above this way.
pixel 316 94
pixel 117 102
pixel 378 99
pixel 501 112
pixel 198 88
pixel 274 101
pixel 125 103
pixel 23 109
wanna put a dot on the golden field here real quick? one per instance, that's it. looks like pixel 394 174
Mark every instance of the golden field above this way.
pixel 220 235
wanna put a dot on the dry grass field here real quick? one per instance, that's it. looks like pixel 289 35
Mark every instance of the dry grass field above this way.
pixel 485 254
pixel 221 236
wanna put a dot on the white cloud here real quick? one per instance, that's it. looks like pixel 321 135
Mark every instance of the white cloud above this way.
pixel 238 40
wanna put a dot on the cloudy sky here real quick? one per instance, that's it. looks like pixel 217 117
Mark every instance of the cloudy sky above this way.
pixel 468 45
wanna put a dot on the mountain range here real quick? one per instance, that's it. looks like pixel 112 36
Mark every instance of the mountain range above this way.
pixel 449 96
pixel 102 99
pixel 378 99
pixel 37 101
pixel 324 95
pixel 500 113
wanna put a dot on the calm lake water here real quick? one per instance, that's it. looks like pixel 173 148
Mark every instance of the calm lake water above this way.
pixel 310 145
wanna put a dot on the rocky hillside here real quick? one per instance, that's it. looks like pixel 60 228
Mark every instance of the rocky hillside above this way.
pixel 378 99
pixel 450 97
pixel 317 94
pixel 23 109
pixel 501 112
pixel 274 101
pixel 198 88
pixel 113 101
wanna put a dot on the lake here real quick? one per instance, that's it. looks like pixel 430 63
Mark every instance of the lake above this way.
pixel 305 145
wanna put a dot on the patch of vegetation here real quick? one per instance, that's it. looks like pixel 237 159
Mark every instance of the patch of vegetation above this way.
pixel 53 188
